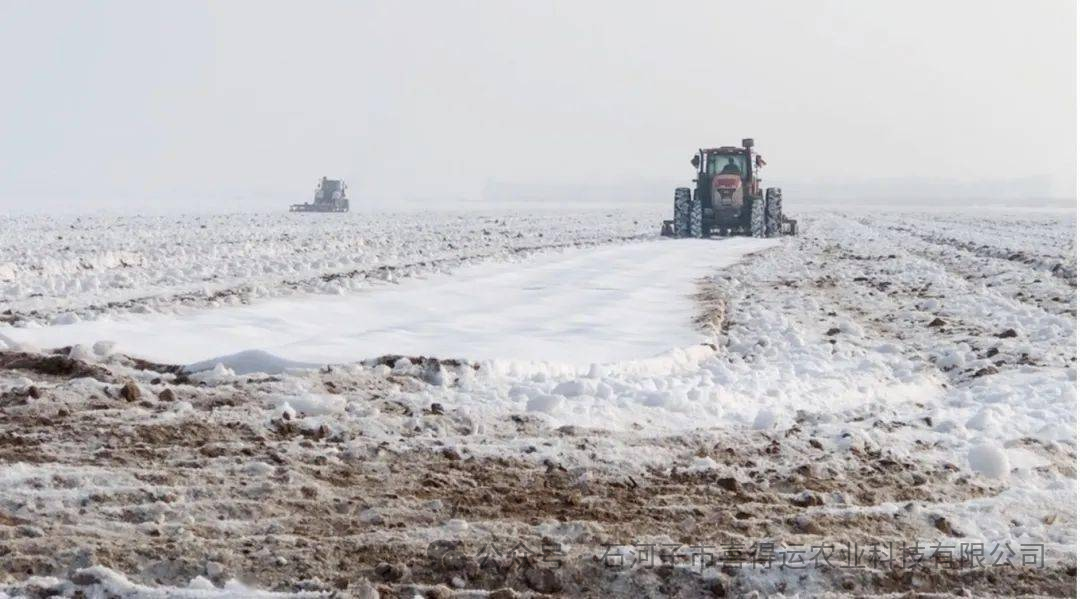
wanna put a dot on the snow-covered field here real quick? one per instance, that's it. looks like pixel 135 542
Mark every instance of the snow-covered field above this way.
pixel 601 304
pixel 64 269
pixel 599 412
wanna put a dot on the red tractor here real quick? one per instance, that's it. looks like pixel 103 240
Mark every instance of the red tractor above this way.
pixel 727 198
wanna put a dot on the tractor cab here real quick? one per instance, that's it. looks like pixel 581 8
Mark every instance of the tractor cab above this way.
pixel 727 161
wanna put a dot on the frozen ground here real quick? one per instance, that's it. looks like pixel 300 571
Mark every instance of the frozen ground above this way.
pixel 889 378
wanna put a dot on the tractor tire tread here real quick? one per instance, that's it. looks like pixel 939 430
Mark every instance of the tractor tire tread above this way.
pixel 757 216
pixel 774 212
pixel 682 212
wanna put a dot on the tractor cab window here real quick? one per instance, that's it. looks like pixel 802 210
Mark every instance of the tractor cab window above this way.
pixel 721 164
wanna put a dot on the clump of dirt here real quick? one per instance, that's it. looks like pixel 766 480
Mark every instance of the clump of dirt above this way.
pixel 53 365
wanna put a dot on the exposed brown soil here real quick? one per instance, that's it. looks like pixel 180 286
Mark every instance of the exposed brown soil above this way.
pixel 334 510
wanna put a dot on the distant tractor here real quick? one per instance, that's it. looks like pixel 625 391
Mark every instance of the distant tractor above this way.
pixel 329 197
pixel 727 198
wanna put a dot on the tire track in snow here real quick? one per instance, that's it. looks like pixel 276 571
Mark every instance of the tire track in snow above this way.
pixel 960 314
pixel 1057 267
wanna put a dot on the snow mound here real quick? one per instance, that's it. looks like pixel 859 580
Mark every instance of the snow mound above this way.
pixel 308 404
pixel 544 403
pixel 251 361
pixel 989 460
pixel 108 582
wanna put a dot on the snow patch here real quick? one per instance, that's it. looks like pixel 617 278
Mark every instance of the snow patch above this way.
pixel 989 460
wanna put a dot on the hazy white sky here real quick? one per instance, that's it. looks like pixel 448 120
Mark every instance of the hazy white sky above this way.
pixel 154 103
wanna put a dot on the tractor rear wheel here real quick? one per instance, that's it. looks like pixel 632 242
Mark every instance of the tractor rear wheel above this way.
pixel 682 212
pixel 774 212
pixel 696 217
pixel 757 216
